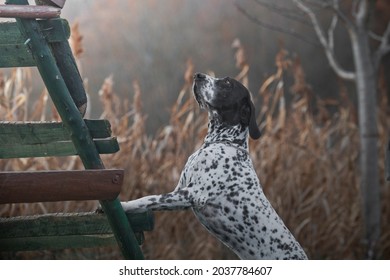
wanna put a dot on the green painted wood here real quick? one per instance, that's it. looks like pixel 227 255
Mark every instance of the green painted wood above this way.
pixel 69 71
pixel 57 149
pixel 54 30
pixel 61 185
pixel 56 243
pixel 42 139
pixel 35 11
pixel 65 230
pixel 13 50
pixel 80 136
pixel 107 146
pixel 47 132
pixel 15 56
pixel 60 224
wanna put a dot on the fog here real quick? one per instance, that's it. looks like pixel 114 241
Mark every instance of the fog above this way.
pixel 151 41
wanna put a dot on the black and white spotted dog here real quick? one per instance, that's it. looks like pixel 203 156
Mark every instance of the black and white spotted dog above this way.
pixel 219 183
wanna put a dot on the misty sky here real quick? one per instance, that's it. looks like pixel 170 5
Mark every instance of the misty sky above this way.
pixel 151 40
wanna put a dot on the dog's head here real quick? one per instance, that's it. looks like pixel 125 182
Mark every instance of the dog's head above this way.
pixel 228 100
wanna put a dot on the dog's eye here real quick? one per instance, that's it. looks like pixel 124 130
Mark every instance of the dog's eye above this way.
pixel 227 82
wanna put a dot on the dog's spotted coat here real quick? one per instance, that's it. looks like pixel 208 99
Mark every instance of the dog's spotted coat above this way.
pixel 219 182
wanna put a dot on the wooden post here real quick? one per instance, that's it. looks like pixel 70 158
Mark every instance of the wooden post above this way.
pixel 76 125
pixel 68 68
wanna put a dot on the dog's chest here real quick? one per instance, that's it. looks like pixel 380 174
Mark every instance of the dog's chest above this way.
pixel 218 173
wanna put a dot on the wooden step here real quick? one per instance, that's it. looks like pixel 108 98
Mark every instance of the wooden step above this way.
pixel 13 50
pixel 44 186
pixel 42 139
pixel 65 230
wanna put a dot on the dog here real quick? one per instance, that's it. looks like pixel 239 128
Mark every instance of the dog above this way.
pixel 219 182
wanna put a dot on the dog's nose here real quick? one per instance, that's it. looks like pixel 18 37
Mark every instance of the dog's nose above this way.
pixel 199 76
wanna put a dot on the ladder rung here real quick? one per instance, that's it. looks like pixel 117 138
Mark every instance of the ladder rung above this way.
pixel 65 230
pixel 13 50
pixel 43 139
pixel 40 186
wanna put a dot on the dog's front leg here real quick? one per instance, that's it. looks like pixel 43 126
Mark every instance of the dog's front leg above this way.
pixel 176 200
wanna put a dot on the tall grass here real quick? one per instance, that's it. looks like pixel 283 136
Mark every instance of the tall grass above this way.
pixel 307 161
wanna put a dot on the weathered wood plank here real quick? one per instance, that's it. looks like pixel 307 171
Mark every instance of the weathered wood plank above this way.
pixel 56 243
pixel 15 56
pixel 27 11
pixel 14 52
pixel 65 230
pixel 107 146
pixel 58 149
pixel 60 224
pixel 55 149
pixel 70 73
pixel 99 128
pixel 42 139
pixel 41 186
pixel 54 30
pixel 28 133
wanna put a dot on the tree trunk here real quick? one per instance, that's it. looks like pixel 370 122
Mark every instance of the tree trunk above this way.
pixel 366 85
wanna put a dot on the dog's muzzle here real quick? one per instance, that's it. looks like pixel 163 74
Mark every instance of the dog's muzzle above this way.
pixel 199 80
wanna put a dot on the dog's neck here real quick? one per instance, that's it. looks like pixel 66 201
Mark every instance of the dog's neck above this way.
pixel 221 133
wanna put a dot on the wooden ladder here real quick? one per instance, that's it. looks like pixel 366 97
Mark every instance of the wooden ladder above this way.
pixel 44 44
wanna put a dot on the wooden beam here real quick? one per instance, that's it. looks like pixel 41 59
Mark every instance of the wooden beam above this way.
pixel 54 30
pixel 70 73
pixel 15 56
pixel 65 230
pixel 27 11
pixel 43 139
pixel 55 149
pixel 56 243
pixel 40 186
pixel 47 132
pixel 14 53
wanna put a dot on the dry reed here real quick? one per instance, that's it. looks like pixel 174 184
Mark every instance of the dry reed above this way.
pixel 307 160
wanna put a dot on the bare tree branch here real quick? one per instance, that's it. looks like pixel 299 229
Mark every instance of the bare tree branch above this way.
pixel 324 42
pixel 375 36
pixel 285 12
pixel 331 29
pixel 384 46
pixel 336 9
pixel 361 13
pixel 261 23
pixel 355 7
pixel 364 11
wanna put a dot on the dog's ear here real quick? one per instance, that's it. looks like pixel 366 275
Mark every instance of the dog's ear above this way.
pixel 254 130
